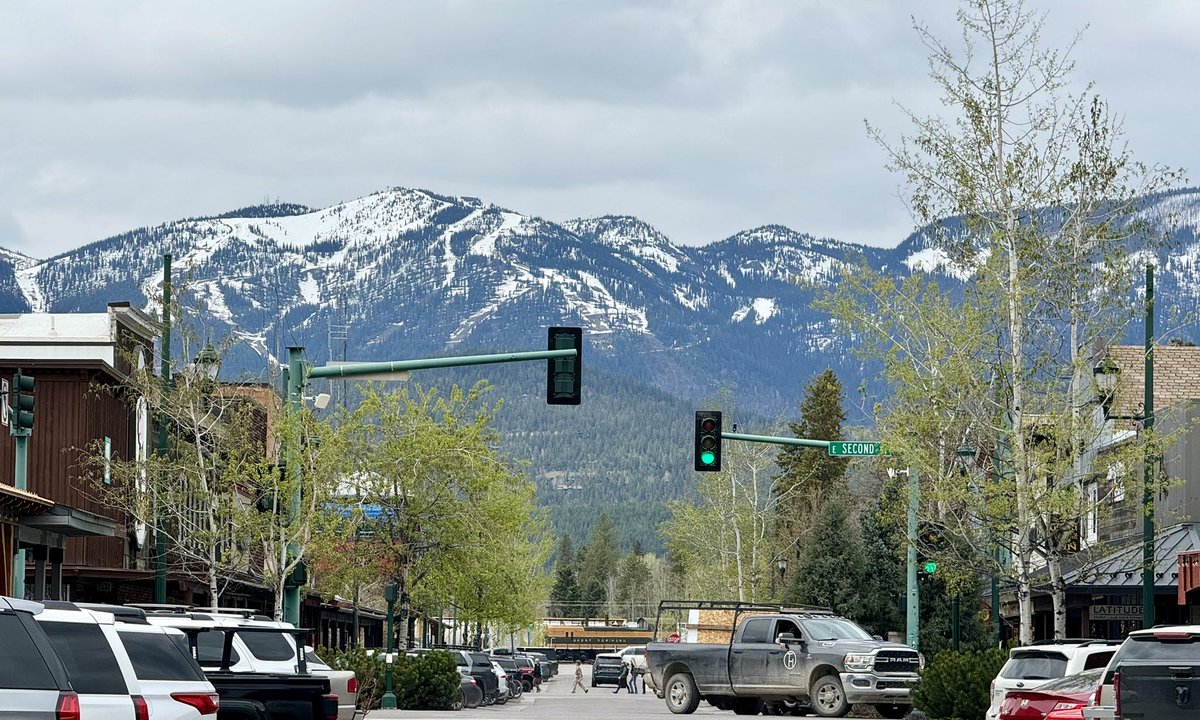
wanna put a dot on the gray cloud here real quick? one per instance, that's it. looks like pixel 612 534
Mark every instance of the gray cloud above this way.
pixel 703 118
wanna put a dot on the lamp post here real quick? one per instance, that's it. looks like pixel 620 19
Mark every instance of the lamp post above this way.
pixel 781 564
pixel 160 537
pixel 388 701
pixel 964 452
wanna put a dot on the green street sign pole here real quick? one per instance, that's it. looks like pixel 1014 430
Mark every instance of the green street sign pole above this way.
pixel 298 375
pixel 914 601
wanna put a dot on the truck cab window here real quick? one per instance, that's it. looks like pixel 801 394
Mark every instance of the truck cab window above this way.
pixel 758 630
pixel 787 627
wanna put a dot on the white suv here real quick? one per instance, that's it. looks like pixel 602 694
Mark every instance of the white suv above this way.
pixel 96 661
pixel 1032 666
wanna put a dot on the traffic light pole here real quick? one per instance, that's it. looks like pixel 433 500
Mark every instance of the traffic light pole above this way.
pixel 160 537
pixel 298 376
pixel 21 456
pixel 913 635
pixel 801 442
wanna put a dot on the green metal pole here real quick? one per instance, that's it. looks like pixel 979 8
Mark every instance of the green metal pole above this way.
pixel 1148 463
pixel 388 701
pixel 295 387
pixel 391 366
pixel 160 537
pixel 802 442
pixel 914 601
pixel 21 482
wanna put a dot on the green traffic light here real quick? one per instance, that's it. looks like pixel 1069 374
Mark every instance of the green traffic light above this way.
pixel 930 567
pixel 707 457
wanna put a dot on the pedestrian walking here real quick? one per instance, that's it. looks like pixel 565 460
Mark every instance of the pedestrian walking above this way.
pixel 632 677
pixel 622 679
pixel 639 676
pixel 578 677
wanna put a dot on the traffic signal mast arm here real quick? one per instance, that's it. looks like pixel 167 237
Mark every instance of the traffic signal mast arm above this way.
pixel 802 442
pixel 368 368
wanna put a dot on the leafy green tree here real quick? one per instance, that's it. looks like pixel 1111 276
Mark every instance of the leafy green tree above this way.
pixel 1018 193
pixel 883 582
pixel 454 522
pixel 565 595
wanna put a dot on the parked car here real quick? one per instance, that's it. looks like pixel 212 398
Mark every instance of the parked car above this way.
pixel 98 667
pixel 606 669
pixel 515 687
pixel 1032 666
pixel 501 683
pixel 1055 700
pixel 1177 645
pixel 528 670
pixel 33 679
pixel 343 683
pixel 469 693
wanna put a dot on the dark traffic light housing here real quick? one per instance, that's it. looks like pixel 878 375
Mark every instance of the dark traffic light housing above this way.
pixel 563 386
pixel 21 422
pixel 708 440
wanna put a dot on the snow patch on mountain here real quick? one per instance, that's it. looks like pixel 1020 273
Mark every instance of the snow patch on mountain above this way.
pixel 929 260
pixel 310 290
pixel 27 281
pixel 763 309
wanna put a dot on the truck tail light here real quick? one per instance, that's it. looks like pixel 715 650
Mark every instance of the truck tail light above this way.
pixel 352 685
pixel 68 707
pixel 141 711
pixel 205 703
pixel 331 707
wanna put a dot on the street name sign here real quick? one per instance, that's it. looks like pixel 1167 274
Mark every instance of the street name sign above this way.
pixel 855 448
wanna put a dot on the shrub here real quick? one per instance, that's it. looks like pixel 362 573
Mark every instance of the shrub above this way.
pixel 429 681
pixel 957 685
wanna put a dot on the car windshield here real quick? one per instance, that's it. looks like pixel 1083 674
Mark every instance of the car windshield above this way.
pixel 834 629
pixel 1084 682
pixel 1034 665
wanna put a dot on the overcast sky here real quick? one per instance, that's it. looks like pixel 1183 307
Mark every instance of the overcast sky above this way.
pixel 702 118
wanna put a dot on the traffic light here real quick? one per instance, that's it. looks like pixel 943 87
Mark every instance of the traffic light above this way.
pixel 563 374
pixel 708 440
pixel 22 404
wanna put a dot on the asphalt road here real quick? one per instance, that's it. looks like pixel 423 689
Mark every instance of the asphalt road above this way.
pixel 556 701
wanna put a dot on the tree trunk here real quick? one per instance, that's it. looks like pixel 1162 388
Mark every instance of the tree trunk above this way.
pixel 1058 594
pixel 737 539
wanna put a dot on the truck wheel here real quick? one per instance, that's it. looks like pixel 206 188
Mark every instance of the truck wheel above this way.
pixel 747 706
pixel 828 698
pixel 893 711
pixel 682 696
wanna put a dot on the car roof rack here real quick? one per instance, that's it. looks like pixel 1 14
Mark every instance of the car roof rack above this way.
pixel 1062 641
pixel 58 605
pixel 121 613
pixel 244 613
pixel 160 606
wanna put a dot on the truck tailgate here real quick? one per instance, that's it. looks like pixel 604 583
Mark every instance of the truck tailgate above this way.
pixel 1159 691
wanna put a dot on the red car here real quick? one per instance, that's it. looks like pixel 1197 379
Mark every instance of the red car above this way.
pixel 1062 699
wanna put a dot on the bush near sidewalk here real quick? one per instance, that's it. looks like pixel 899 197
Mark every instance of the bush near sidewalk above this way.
pixel 429 681
pixel 957 685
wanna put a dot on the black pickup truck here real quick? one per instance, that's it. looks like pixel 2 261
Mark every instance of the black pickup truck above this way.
pixel 1158 691
pixel 267 696
pixel 781 659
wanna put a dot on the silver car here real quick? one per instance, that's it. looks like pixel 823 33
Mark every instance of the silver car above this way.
pixel 33 681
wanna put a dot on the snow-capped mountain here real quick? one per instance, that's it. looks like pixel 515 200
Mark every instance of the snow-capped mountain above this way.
pixel 411 273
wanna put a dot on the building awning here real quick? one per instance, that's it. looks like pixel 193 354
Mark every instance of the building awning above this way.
pixel 16 503
pixel 1123 567
pixel 71 522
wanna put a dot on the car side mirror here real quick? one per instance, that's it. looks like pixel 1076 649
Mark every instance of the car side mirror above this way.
pixel 787 639
pixel 876 637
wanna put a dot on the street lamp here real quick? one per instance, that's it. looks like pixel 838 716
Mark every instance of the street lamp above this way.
pixel 781 564
pixel 208 362
pixel 388 701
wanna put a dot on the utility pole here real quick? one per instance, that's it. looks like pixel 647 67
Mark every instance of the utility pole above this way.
pixel 913 635
pixel 160 537
pixel 1148 462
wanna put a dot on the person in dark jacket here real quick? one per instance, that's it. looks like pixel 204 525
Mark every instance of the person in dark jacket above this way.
pixel 622 679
